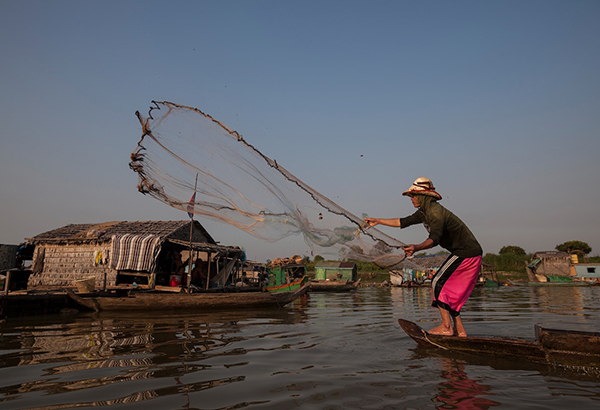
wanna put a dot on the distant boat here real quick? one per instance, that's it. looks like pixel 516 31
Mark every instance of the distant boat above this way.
pixel 333 285
pixel 287 287
pixel 335 276
pixel 396 278
pixel 286 277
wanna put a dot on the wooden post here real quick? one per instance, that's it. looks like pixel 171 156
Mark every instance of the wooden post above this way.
pixel 208 269
pixel 151 281
pixel 7 282
pixel 189 273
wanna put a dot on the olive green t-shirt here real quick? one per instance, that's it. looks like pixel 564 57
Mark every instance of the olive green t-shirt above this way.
pixel 445 228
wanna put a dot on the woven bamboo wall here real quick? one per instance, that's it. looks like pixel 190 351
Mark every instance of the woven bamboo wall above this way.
pixel 64 264
pixel 8 257
pixel 554 267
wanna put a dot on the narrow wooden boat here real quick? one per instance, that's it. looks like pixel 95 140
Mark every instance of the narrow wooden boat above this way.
pixel 286 277
pixel 333 285
pixel 33 302
pixel 576 348
pixel 185 302
pixel 557 347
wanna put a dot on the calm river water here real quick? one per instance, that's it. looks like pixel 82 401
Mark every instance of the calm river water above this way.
pixel 326 351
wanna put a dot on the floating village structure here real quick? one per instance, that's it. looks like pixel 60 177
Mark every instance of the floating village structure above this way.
pixel 417 270
pixel 7 257
pixel 145 253
pixel 336 271
pixel 335 276
pixel 586 271
pixel 549 265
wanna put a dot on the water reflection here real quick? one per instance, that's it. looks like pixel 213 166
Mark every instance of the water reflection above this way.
pixel 342 350
pixel 114 350
pixel 458 391
pixel 567 300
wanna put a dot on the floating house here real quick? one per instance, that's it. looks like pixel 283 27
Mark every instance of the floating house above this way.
pixel 548 264
pixel 341 271
pixel 589 272
pixel 146 253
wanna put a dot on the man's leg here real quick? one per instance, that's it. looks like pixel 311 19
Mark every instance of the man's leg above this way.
pixel 446 327
pixel 459 329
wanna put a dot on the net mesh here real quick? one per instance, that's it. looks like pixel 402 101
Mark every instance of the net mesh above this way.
pixel 183 150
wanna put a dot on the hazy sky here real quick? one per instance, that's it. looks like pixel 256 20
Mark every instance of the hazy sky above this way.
pixel 498 102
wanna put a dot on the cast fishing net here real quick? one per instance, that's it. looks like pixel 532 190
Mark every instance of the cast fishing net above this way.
pixel 183 150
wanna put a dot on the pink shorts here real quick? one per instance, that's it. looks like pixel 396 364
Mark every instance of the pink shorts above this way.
pixel 454 282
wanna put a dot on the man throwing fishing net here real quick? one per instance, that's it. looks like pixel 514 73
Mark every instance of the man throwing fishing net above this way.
pixel 454 281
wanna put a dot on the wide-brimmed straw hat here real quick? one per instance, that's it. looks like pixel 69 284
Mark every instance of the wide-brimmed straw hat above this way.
pixel 422 186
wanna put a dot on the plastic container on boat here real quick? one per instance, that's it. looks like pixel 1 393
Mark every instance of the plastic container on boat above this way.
pixel 175 280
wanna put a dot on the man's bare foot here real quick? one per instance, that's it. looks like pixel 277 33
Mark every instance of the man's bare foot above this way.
pixel 442 330
pixel 459 329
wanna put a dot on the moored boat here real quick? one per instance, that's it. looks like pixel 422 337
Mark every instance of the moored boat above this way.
pixel 335 276
pixel 34 302
pixel 152 300
pixel 287 286
pixel 285 275
pixel 333 285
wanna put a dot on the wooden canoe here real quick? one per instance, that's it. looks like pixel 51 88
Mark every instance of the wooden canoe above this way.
pixel 185 302
pixel 575 348
pixel 333 285
pixel 552 346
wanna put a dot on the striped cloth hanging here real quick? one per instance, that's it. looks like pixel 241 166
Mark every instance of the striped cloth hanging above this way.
pixel 135 252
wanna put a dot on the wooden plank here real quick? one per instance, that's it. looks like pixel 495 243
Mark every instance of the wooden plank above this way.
pixel 569 340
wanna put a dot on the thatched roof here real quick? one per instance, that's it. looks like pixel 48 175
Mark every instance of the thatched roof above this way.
pixel 100 232
pixel 551 255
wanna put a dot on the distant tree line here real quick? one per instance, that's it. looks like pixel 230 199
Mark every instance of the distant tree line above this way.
pixel 514 258
pixel 571 247
pixel 511 258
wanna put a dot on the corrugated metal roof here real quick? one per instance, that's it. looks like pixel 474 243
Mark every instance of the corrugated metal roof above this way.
pixel 551 254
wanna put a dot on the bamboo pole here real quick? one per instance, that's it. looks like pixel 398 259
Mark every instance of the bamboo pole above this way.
pixel 189 273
